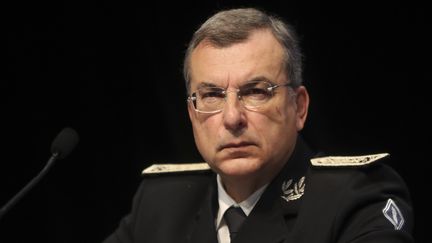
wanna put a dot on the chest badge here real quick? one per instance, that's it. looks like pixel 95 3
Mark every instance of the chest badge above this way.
pixel 293 191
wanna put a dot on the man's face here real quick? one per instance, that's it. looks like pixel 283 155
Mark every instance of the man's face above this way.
pixel 238 142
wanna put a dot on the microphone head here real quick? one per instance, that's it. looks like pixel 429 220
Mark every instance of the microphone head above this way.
pixel 65 142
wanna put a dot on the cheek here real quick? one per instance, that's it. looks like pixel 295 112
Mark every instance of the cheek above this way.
pixel 281 111
pixel 277 124
pixel 207 139
pixel 205 133
pixel 282 116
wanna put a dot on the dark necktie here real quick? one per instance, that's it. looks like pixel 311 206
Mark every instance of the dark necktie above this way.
pixel 234 218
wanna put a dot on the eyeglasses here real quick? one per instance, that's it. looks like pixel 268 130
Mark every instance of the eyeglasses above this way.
pixel 211 99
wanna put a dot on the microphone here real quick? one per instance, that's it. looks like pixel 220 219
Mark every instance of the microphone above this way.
pixel 61 147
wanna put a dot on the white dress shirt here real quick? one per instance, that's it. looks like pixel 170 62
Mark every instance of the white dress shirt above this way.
pixel 225 201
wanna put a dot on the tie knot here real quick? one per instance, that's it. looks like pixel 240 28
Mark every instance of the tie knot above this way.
pixel 234 218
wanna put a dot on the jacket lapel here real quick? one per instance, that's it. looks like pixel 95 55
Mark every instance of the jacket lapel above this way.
pixel 266 223
pixel 204 229
pixel 273 217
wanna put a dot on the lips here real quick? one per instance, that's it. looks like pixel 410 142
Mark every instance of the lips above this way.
pixel 235 145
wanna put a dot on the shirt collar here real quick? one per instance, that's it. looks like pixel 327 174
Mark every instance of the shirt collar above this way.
pixel 225 201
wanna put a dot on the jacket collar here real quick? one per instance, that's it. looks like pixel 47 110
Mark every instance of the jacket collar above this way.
pixel 271 219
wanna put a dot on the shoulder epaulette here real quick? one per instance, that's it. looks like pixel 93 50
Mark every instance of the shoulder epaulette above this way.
pixel 339 161
pixel 171 168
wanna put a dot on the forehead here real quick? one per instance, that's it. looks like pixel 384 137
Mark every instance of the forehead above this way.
pixel 260 55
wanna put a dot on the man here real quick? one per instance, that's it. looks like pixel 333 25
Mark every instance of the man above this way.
pixel 247 104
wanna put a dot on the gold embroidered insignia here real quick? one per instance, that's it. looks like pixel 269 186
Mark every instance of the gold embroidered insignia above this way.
pixel 168 168
pixel 347 160
pixel 295 192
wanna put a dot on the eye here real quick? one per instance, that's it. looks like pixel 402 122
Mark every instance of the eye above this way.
pixel 210 95
pixel 256 93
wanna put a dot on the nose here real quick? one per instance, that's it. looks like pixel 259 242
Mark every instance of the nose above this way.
pixel 234 117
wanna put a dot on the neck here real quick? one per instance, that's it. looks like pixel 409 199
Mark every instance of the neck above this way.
pixel 240 188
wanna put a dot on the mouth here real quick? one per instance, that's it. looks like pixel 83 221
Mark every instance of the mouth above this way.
pixel 238 145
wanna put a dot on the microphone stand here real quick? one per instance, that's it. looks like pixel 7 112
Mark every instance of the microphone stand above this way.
pixel 29 185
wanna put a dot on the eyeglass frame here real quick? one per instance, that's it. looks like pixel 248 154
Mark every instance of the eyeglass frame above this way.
pixel 191 98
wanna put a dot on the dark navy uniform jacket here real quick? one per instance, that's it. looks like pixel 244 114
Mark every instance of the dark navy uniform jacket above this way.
pixel 334 204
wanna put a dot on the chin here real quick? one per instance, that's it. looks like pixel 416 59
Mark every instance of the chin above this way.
pixel 238 167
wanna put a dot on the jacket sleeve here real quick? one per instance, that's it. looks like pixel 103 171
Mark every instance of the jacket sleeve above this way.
pixel 361 204
pixel 124 232
pixel 374 206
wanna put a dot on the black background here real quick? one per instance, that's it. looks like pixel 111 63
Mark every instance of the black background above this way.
pixel 112 71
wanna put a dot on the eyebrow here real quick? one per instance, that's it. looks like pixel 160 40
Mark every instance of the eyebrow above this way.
pixel 258 78
pixel 254 79
pixel 206 84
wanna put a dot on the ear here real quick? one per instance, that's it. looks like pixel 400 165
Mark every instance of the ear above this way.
pixel 302 103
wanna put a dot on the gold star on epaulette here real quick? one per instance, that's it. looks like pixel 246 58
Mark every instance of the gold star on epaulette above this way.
pixel 171 168
pixel 338 161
